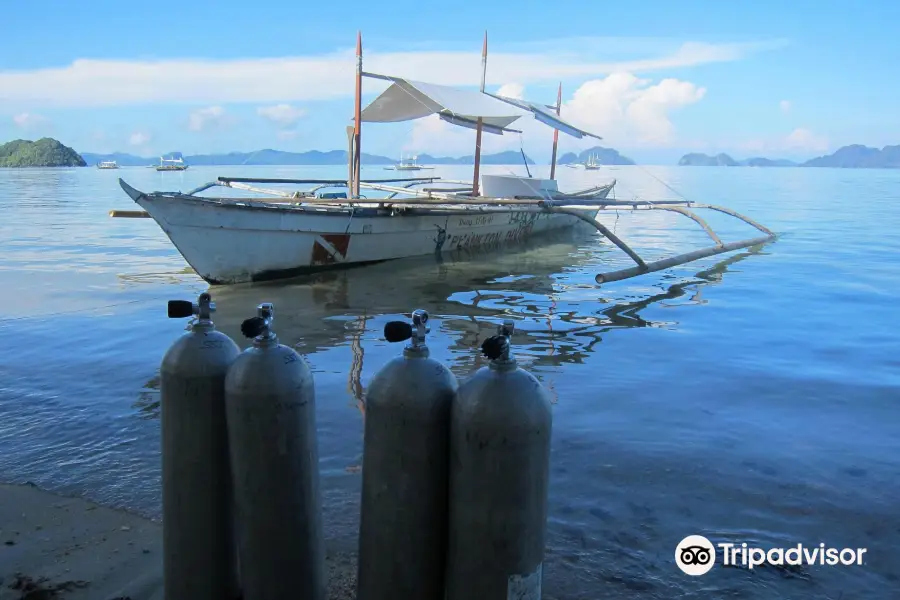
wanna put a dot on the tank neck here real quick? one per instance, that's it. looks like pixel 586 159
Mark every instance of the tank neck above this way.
pixel 202 325
pixel 504 364
pixel 265 341
pixel 416 351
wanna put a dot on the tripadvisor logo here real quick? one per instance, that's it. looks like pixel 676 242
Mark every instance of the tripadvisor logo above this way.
pixel 696 555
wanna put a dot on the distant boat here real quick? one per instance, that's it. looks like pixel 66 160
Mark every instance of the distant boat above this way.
pixel 107 164
pixel 408 165
pixel 592 164
pixel 171 164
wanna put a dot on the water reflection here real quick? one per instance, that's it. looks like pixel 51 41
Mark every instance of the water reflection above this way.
pixel 166 277
pixel 354 380
pixel 147 403
pixel 626 314
pixel 467 292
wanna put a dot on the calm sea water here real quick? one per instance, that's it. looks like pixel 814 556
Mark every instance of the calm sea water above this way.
pixel 751 398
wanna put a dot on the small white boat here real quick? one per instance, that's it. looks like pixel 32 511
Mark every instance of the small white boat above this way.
pixel 408 165
pixel 171 164
pixel 234 240
pixel 107 164
pixel 592 164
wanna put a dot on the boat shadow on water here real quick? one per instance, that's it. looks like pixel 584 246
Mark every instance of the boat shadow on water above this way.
pixel 466 292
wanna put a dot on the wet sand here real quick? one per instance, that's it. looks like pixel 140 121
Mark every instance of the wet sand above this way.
pixel 68 548
pixel 59 547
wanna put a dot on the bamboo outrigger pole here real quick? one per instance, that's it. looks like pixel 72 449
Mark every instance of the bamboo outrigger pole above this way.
pixel 480 125
pixel 357 129
pixel 556 133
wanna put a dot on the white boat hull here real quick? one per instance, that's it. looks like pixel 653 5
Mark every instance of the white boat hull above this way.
pixel 230 242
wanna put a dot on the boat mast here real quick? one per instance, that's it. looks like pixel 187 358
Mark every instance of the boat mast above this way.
pixel 480 120
pixel 556 132
pixel 357 155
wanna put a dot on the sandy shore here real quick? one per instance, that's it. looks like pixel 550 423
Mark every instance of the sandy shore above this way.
pixel 68 548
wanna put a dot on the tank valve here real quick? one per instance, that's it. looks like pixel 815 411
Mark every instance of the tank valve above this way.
pixel 399 331
pixel 204 307
pixel 260 326
pixel 497 347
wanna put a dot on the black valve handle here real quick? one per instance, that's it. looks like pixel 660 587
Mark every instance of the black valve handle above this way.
pixel 495 346
pixel 253 326
pixel 179 309
pixel 397 331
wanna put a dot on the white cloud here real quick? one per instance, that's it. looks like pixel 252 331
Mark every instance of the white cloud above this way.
pixel 785 106
pixel 88 82
pixel 439 138
pixel 139 138
pixel 627 111
pixel 283 115
pixel 624 110
pixel 512 90
pixel 207 118
pixel 27 120
pixel 804 139
pixel 800 140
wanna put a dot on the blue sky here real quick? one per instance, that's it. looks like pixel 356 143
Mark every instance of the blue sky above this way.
pixel 655 78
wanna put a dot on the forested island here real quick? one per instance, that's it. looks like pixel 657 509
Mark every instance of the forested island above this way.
pixel 606 156
pixel 310 157
pixel 45 152
pixel 48 152
pixel 855 156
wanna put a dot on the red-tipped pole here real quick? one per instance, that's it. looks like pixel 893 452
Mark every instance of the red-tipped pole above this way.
pixel 556 133
pixel 357 128
pixel 480 121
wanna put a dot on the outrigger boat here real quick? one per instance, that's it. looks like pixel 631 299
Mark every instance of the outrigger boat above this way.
pixel 591 164
pixel 171 164
pixel 237 240
pixel 409 165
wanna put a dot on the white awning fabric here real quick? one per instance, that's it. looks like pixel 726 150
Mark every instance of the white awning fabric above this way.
pixel 406 100
pixel 545 116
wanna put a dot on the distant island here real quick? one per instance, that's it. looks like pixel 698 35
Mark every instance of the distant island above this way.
pixel 855 156
pixel 605 156
pixel 48 152
pixel 723 160
pixel 704 160
pixel 45 152
pixel 311 157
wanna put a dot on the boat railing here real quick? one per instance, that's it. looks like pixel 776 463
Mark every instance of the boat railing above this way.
pixel 246 184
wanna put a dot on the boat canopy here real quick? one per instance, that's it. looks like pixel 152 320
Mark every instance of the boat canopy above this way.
pixel 546 117
pixel 406 100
